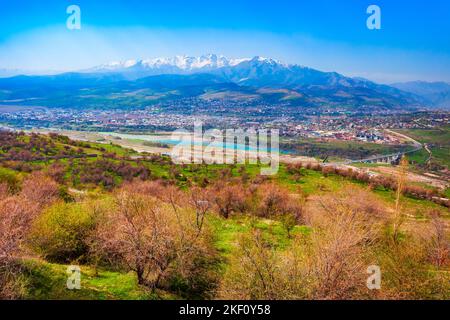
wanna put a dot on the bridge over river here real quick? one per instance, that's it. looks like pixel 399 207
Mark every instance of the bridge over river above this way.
pixel 393 157
pixel 386 158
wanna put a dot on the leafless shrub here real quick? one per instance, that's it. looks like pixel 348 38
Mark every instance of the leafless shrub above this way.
pixel 439 243
pixel 40 189
pixel 327 170
pixel 16 216
pixel 337 264
pixel 4 191
pixel 328 263
pixel 352 200
pixel 228 198
pixel 254 272
pixel 155 239
pixel 346 226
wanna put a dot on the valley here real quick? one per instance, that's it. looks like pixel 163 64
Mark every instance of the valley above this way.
pixel 88 179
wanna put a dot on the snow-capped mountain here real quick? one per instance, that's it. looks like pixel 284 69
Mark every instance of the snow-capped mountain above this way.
pixel 257 71
pixel 178 64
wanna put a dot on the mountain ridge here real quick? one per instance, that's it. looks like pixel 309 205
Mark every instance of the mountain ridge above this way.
pixel 207 74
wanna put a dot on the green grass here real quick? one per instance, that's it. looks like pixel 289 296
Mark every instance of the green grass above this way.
pixel 113 148
pixel 441 154
pixel 228 231
pixel 447 193
pixel 419 157
pixel 47 281
pixel 439 135
pixel 314 183
pixel 415 207
pixel 439 141
pixel 10 177
pixel 310 181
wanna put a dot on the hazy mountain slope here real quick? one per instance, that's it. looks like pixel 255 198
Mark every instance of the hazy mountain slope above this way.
pixel 435 93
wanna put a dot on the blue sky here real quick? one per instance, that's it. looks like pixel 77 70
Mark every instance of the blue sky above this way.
pixel 330 35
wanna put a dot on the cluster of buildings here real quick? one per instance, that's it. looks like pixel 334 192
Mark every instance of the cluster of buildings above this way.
pixel 329 124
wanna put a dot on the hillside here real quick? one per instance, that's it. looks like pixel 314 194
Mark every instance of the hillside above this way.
pixel 207 231
pixel 437 140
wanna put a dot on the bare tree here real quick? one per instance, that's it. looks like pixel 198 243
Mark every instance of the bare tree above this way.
pixel 399 217
pixel 200 200
pixel 149 236
pixel 228 199
pixel 439 248
pixel 17 214
pixel 4 191
pixel 40 189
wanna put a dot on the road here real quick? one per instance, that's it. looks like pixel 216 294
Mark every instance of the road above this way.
pixel 417 146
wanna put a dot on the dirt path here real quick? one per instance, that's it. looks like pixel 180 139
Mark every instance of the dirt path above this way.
pixel 415 142
pixel 413 177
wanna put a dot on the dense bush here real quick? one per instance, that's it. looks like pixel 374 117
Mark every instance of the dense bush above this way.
pixel 109 173
pixel 229 198
pixel 275 202
pixel 10 178
pixel 16 216
pixel 60 234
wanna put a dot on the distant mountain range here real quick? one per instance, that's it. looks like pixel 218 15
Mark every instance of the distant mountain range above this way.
pixel 258 81
pixel 434 93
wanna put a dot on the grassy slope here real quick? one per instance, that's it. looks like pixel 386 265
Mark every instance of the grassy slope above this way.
pixel 439 138
pixel 48 281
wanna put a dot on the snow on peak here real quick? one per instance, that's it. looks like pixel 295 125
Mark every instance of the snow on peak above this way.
pixel 183 62
pixel 210 61
pixel 267 60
